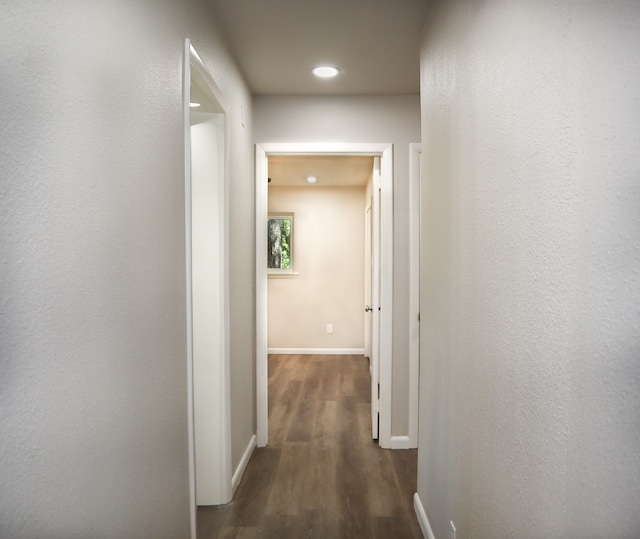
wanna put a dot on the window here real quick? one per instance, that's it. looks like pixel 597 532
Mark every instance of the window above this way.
pixel 280 243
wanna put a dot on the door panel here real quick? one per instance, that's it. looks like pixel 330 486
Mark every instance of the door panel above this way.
pixel 375 300
pixel 368 232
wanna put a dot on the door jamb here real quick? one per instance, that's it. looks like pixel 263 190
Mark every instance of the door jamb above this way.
pixel 414 290
pixel 385 151
pixel 191 58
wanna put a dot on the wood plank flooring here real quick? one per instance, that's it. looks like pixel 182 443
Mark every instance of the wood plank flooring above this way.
pixel 321 476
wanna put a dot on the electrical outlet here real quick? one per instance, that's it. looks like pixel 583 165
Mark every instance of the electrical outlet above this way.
pixel 329 328
pixel 452 530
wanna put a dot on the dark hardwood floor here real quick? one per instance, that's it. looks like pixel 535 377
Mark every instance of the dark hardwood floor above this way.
pixel 321 476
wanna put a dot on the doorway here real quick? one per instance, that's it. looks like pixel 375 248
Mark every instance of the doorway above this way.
pixel 207 280
pixel 384 153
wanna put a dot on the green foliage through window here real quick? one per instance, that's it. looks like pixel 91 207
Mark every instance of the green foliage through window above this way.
pixel 279 242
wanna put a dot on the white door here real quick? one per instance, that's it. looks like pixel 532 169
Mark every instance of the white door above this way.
pixel 368 235
pixel 375 299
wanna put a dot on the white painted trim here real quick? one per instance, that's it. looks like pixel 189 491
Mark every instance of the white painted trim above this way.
pixel 414 291
pixel 292 275
pixel 242 466
pixel 196 61
pixel 262 373
pixel 191 60
pixel 318 351
pixel 328 148
pixel 262 151
pixel 422 517
pixel 374 360
pixel 401 442
pixel 226 382
pixel 186 91
pixel 386 298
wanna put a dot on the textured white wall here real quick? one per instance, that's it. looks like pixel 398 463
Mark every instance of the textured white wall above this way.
pixel 328 254
pixel 530 373
pixel 394 119
pixel 93 398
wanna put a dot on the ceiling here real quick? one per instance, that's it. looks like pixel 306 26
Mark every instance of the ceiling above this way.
pixel 276 43
pixel 330 170
pixel 375 44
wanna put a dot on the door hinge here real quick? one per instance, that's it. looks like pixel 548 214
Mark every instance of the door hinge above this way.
pixel 376 406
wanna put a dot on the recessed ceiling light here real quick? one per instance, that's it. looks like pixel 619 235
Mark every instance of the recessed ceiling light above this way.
pixel 194 105
pixel 312 179
pixel 326 72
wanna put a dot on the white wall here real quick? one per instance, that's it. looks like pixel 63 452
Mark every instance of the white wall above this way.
pixel 390 119
pixel 328 256
pixel 93 405
pixel 530 380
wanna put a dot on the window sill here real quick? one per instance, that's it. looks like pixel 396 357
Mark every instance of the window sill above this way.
pixel 291 275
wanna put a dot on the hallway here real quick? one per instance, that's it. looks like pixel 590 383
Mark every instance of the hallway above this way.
pixel 321 475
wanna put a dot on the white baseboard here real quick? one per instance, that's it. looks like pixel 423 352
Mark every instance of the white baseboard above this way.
pixel 422 518
pixel 402 442
pixel 235 480
pixel 318 351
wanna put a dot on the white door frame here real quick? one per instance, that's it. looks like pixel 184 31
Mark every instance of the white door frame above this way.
pixel 220 383
pixel 385 151
pixel 414 290
pixel 376 290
